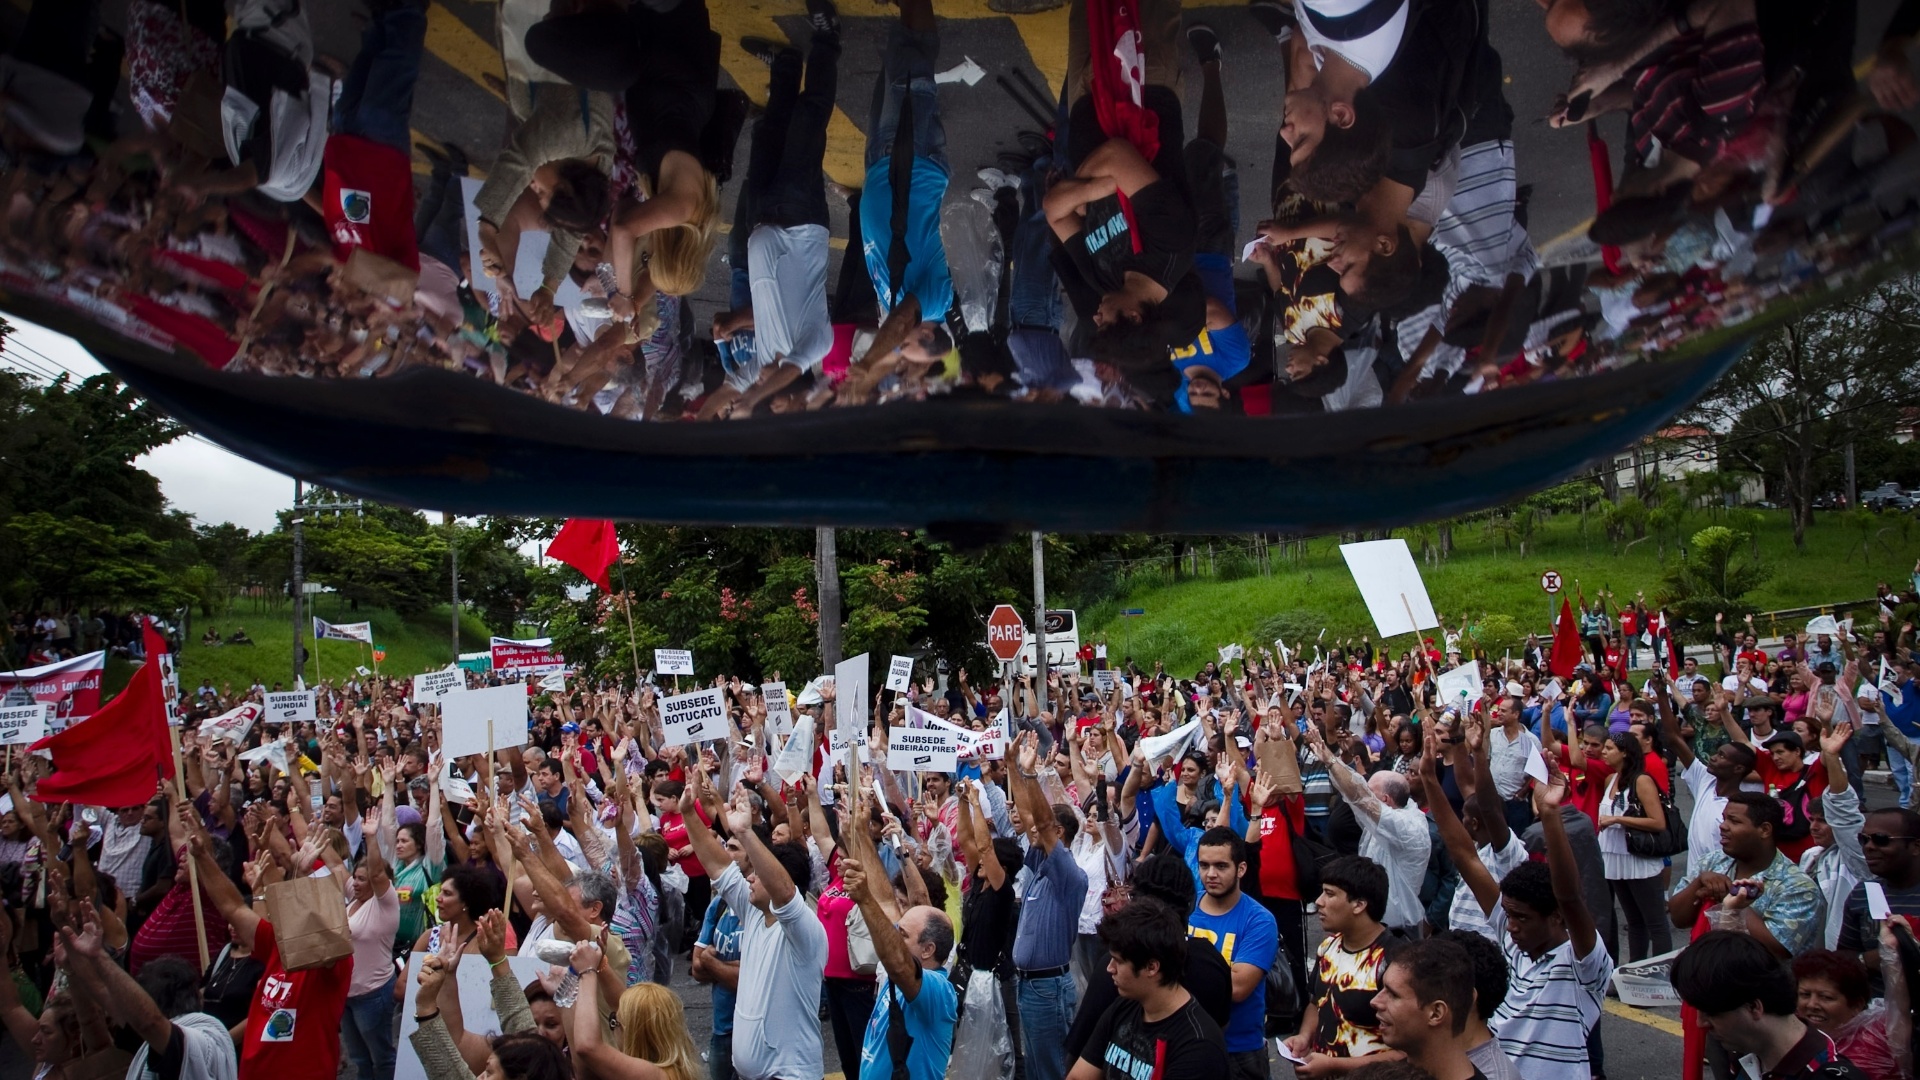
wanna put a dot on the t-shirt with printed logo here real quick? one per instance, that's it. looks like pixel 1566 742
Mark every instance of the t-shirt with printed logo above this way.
pixel 293 1028
pixel 1184 1045
pixel 368 200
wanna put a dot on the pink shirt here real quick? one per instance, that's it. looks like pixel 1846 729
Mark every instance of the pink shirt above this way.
pixel 834 906
pixel 372 926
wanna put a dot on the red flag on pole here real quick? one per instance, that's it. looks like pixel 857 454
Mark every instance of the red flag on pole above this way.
pixel 115 756
pixel 1119 77
pixel 1673 651
pixel 1566 642
pixel 589 546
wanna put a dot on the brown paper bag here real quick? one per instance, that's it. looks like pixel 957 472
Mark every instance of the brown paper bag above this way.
pixel 309 922
pixel 381 277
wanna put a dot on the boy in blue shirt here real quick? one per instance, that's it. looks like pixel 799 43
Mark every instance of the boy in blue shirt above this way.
pixel 1248 939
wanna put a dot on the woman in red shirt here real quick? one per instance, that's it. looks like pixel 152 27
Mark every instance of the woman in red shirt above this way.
pixel 1273 821
pixel 673 829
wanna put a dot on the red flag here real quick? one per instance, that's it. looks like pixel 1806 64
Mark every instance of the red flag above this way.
pixel 1602 162
pixel 1566 642
pixel 1119 78
pixel 1673 651
pixel 115 756
pixel 589 546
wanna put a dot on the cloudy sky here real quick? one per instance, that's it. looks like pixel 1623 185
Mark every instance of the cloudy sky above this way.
pixel 196 476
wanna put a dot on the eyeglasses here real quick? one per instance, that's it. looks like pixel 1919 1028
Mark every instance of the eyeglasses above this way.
pixel 1880 839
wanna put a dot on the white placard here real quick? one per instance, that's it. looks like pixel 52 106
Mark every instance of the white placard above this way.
pixel 288 706
pixel 436 685
pixel 796 757
pixel 850 696
pixel 1103 681
pixel 555 683
pixel 474 981
pixel 1390 584
pixel 1877 907
pixel 363 670
pixel 1171 745
pixel 1459 687
pixel 900 674
pixel 464 718
pixel 673 661
pixel 779 712
pixel 1230 653
pixel 927 749
pixel 693 718
pixel 24 724
pixel 233 724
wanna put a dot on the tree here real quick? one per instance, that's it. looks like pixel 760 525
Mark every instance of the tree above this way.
pixel 1824 379
pixel 1712 576
pixel 67 563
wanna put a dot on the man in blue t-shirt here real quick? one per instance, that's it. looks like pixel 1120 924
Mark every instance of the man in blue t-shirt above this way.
pixel 1248 939
pixel 716 960
pixel 907 173
pixel 916 992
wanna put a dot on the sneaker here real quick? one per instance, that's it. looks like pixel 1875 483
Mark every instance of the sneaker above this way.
pixel 1206 43
pixel 824 17
pixel 1275 16
pixel 993 178
pixel 762 49
pixel 986 197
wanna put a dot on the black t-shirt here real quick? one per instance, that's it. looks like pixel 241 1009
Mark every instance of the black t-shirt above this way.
pixel 1186 1045
pixel 987 924
pixel 229 989
pixel 1422 95
pixel 1208 977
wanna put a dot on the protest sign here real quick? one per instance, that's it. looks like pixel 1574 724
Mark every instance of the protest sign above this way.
pixel 850 695
pixel 362 670
pixel 233 724
pixel 326 631
pixel 514 660
pixel 1103 679
pixel 1459 687
pixel 779 712
pixel 465 718
pixel 436 685
pixel 1390 584
pixel 900 674
pixel 555 683
pixel 23 724
pixel 697 717
pixel 927 749
pixel 1170 746
pixel 473 981
pixel 72 687
pixel 796 757
pixel 1230 653
pixel 989 744
pixel 673 661
pixel 285 707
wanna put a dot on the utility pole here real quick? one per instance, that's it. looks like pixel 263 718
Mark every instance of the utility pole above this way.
pixel 826 565
pixel 299 587
pixel 1040 623
pixel 453 558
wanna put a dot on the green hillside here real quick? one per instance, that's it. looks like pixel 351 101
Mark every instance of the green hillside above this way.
pixel 1186 621
pixel 411 646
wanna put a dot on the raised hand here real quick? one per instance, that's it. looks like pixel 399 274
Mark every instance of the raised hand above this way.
pixel 1833 741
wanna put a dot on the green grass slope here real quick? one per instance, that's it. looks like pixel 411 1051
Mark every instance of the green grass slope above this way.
pixel 411 645
pixel 1187 621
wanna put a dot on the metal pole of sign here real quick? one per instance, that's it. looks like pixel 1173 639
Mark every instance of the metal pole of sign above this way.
pixel 299 585
pixel 1040 624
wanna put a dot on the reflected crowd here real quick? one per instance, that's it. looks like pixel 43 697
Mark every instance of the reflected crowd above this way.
pixel 201 175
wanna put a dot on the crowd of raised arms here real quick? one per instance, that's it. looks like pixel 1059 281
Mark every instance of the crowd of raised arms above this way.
pixel 258 205
pixel 1146 877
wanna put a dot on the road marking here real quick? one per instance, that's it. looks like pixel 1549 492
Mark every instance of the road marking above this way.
pixel 1644 1016
pixel 466 52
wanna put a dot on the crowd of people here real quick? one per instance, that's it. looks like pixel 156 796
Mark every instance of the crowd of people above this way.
pixel 267 207
pixel 1127 875
pixel 50 637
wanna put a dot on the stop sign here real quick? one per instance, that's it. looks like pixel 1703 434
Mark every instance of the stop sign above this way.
pixel 1006 634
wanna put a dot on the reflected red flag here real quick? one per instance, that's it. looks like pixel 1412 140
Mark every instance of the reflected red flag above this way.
pixel 589 546
pixel 115 756
pixel 1566 642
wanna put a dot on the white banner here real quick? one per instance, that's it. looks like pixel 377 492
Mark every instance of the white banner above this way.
pixel 436 685
pixel 23 724
pixel 1170 746
pixel 288 706
pixel 473 982
pixel 796 757
pixel 464 720
pixel 850 696
pixel 233 724
pixel 326 631
pixel 1390 584
pixel 673 661
pixel 900 674
pixel 927 749
pixel 697 717
pixel 988 745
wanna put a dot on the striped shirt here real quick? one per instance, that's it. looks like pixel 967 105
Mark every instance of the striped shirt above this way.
pixel 1465 913
pixel 1551 1005
pixel 1694 93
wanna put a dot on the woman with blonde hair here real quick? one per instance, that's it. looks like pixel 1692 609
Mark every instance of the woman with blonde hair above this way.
pixel 665 59
pixel 654 1043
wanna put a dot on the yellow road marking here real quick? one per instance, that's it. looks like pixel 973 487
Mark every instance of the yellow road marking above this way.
pixel 463 50
pixel 1644 1016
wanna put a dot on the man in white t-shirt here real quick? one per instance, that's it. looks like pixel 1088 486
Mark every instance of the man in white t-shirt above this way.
pixel 1558 969
pixel 1393 832
pixel 1710 781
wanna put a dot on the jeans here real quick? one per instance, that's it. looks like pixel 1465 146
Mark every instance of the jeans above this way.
pixel 906 77
pixel 1034 298
pixel 1249 1065
pixel 1902 770
pixel 720 1056
pixel 784 176
pixel 849 1007
pixel 367 1034
pixel 376 100
pixel 438 223
pixel 1046 1014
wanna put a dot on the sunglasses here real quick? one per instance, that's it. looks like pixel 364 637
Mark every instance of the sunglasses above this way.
pixel 1880 839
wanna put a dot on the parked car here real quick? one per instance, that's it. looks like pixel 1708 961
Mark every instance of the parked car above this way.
pixel 1888 496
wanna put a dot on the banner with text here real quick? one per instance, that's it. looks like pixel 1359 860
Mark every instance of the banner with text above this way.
pixel 518 659
pixel 697 717
pixel 72 687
